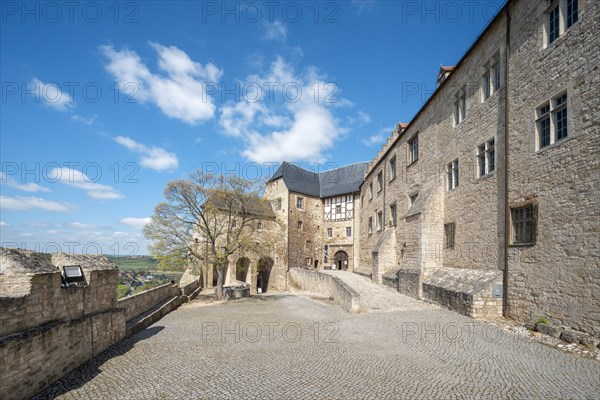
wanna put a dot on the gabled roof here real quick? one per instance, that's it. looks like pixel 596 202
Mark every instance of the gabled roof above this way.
pixel 329 183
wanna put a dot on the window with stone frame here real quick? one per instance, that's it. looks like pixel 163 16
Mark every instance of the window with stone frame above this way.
pixel 278 204
pixel 329 232
pixel 370 225
pixel 300 225
pixel 379 220
pixel 491 76
pixel 448 235
pixel 393 214
pixel 299 202
pixel 552 122
pixel 393 168
pixel 412 199
pixel 460 106
pixel 380 181
pixel 524 224
pixel 413 149
pixel 486 158
pixel 452 174
pixel 348 231
pixel 560 16
pixel 370 190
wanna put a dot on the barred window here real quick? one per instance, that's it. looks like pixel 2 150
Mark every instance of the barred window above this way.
pixel 393 168
pixel 349 231
pixel 491 76
pixel 553 24
pixel 572 14
pixel 329 232
pixel 300 202
pixel 523 225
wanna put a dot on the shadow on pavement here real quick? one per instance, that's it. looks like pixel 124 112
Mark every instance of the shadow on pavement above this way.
pixel 86 372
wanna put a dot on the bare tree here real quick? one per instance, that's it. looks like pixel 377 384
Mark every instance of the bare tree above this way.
pixel 221 212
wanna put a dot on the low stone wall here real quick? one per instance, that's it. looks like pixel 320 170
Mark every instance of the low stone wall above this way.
pixel 469 292
pixel 325 285
pixel 143 301
pixel 47 330
pixel 409 282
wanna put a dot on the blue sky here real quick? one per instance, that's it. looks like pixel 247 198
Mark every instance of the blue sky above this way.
pixel 104 103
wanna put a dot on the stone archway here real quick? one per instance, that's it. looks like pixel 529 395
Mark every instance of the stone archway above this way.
pixel 341 260
pixel 242 266
pixel 263 273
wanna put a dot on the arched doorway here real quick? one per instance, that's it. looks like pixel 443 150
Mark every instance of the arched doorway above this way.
pixel 263 273
pixel 341 260
pixel 241 269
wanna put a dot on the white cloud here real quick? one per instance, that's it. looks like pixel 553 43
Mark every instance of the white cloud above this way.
pixel 79 180
pixel 136 222
pixel 361 118
pixel 84 120
pixel 26 187
pixel 20 203
pixel 2 223
pixel 275 30
pixel 299 127
pixel 80 225
pixel 378 138
pixel 179 92
pixel 52 96
pixel 153 157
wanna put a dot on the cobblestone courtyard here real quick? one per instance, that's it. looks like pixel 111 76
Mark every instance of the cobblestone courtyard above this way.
pixel 287 347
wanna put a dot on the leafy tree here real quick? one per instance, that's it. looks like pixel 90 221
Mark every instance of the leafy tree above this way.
pixel 207 218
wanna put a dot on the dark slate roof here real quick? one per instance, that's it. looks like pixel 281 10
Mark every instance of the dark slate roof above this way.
pixel 322 184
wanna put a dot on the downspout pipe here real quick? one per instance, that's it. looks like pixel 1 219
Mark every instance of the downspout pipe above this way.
pixel 506 132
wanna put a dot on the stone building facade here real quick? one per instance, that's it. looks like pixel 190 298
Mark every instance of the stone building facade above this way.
pixel 318 214
pixel 487 201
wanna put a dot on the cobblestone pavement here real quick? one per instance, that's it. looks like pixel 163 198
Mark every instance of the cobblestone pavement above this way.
pixel 379 298
pixel 290 347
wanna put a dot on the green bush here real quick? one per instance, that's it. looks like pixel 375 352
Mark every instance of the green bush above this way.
pixel 542 320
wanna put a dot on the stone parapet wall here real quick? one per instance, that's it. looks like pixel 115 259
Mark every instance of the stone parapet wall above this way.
pixel 325 285
pixel 143 301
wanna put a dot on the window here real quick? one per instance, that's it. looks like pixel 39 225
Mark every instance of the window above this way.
pixel 379 181
pixel 413 149
pixel 300 225
pixel 393 168
pixel 452 172
pixel 393 215
pixel 299 202
pixel 491 76
pixel 278 206
pixel 553 23
pixel 486 157
pixel 460 106
pixel 448 235
pixel 370 190
pixel 552 121
pixel 523 225
pixel 338 209
pixel 572 14
pixel 259 225
pixel 560 16
pixel 329 232
pixel 348 231
pixel 370 225
pixel 379 220
pixel 412 199
pixel 308 244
